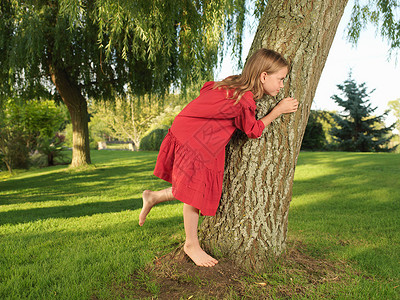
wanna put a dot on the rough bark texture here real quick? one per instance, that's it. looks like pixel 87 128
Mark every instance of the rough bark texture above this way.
pixel 252 219
pixel 77 106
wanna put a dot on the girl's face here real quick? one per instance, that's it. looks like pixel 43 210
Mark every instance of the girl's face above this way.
pixel 273 82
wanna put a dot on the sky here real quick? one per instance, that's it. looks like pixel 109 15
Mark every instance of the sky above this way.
pixel 368 61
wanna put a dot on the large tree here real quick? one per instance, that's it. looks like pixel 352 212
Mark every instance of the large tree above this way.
pixel 90 49
pixel 252 220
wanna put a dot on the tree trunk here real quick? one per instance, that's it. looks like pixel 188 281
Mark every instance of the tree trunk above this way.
pixel 252 219
pixel 77 107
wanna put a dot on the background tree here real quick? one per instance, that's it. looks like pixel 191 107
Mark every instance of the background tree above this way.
pixel 314 135
pixel 252 220
pixel 126 118
pixel 76 50
pixel 130 119
pixel 394 106
pixel 357 128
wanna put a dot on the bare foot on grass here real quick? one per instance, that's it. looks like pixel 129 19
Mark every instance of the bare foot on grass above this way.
pixel 148 203
pixel 199 257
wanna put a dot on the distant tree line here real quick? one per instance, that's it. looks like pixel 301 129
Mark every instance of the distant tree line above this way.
pixel 33 133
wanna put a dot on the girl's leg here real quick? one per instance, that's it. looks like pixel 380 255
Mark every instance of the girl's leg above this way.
pixel 151 198
pixel 192 247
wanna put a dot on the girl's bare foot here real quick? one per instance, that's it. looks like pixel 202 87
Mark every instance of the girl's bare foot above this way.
pixel 148 203
pixel 199 257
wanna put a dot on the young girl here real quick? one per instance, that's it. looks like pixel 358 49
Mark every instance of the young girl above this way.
pixel 192 155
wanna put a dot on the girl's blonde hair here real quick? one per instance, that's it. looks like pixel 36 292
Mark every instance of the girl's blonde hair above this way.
pixel 263 60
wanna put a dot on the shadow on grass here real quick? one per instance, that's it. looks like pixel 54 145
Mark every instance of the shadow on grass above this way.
pixel 67 211
pixel 115 184
pixel 64 184
pixel 72 211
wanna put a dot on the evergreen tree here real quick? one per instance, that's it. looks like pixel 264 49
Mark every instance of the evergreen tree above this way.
pixel 358 129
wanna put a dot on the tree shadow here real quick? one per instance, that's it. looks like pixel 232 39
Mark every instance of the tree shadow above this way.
pixel 67 211
pixel 61 185
pixel 72 211
pixel 103 189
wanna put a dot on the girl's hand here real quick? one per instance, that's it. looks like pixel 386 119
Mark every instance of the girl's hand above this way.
pixel 287 105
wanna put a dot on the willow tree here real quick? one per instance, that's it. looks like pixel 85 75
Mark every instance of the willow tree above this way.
pixel 252 220
pixel 91 49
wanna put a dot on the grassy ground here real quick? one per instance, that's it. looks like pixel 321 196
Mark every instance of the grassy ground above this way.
pixel 73 234
pixel 346 206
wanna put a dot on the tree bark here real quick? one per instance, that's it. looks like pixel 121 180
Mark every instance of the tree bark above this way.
pixel 252 220
pixel 77 107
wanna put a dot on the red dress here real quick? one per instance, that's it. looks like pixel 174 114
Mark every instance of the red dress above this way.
pixel 192 155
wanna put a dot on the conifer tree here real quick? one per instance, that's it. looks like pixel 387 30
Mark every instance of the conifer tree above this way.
pixel 358 129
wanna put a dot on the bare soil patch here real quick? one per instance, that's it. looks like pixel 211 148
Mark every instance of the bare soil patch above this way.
pixel 175 276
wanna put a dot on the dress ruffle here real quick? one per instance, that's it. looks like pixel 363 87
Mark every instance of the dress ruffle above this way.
pixel 192 182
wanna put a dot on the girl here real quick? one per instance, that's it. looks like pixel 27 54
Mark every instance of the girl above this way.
pixel 192 155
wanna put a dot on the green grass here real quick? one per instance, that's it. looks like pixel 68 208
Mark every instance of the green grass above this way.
pixel 346 206
pixel 73 234
pixel 69 234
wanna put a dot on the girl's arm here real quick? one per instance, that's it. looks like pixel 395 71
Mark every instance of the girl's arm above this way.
pixel 287 105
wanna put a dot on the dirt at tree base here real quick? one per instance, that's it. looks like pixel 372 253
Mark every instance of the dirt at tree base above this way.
pixel 175 276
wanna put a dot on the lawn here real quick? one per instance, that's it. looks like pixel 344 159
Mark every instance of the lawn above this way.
pixel 73 234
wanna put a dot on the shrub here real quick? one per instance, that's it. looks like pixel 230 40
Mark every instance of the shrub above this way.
pixel 39 160
pixel 25 127
pixel 52 148
pixel 152 141
pixel 13 150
